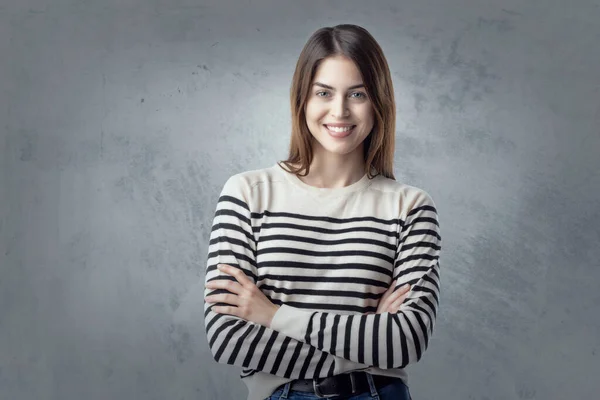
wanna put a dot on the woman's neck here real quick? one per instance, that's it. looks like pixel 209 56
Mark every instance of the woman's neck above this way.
pixel 334 170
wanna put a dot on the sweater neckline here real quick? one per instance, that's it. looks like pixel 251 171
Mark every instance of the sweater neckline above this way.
pixel 325 192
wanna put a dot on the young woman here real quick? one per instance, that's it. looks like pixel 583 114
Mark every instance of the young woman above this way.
pixel 322 277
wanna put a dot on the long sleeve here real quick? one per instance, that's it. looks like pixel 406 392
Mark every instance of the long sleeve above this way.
pixel 387 340
pixel 233 340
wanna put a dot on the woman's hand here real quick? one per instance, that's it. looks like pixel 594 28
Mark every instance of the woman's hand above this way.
pixel 391 301
pixel 247 301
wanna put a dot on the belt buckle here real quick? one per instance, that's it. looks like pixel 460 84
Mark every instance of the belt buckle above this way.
pixel 318 392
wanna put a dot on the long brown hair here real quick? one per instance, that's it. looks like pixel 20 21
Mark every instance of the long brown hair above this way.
pixel 357 44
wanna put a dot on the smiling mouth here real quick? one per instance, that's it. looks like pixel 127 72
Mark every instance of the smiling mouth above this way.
pixel 339 128
pixel 340 132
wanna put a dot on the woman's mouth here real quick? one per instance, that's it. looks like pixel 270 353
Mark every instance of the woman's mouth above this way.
pixel 340 132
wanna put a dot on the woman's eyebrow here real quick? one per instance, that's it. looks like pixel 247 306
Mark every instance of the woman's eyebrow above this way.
pixel 332 88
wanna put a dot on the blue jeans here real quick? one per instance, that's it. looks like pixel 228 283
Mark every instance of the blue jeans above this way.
pixel 394 391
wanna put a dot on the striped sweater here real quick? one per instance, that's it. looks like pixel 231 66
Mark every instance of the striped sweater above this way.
pixel 326 256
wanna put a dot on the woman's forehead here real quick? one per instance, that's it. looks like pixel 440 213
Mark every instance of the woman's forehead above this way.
pixel 338 73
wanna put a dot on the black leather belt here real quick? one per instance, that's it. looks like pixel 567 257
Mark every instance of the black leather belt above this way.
pixel 340 385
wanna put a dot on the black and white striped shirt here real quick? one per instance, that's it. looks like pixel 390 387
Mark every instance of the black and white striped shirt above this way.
pixel 326 256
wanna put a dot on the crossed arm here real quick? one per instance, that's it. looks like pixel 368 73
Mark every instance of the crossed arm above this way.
pixel 384 340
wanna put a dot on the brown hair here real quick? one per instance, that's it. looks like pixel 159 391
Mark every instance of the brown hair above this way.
pixel 357 44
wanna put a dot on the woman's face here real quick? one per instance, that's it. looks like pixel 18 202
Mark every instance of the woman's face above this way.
pixel 338 98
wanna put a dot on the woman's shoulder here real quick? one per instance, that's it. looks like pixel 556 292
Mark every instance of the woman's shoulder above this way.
pixel 409 196
pixel 250 179
pixel 390 185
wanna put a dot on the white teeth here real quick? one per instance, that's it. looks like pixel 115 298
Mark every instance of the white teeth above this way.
pixel 336 129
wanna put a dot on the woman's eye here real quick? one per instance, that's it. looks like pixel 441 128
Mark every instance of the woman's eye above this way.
pixel 360 94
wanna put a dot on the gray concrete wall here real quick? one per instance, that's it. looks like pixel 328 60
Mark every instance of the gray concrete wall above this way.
pixel 121 120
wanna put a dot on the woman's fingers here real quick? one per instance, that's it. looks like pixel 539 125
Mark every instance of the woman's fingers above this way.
pixel 237 273
pixel 390 296
pixel 395 305
pixel 396 298
pixel 233 287
pixel 223 298
pixel 387 294
pixel 403 290
pixel 390 291
pixel 395 294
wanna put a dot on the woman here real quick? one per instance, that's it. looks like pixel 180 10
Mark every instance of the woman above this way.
pixel 322 277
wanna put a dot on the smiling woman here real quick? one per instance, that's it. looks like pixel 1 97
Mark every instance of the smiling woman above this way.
pixel 342 113
pixel 323 273
pixel 341 79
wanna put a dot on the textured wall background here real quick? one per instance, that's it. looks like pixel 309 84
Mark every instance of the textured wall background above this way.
pixel 122 119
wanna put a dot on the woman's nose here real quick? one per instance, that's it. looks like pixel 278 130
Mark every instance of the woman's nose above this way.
pixel 339 108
